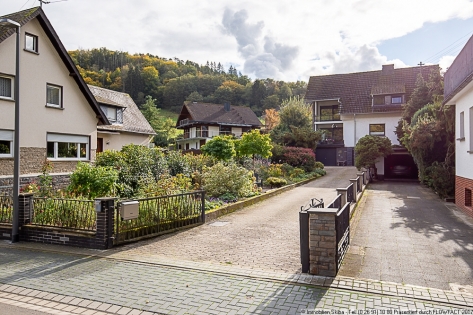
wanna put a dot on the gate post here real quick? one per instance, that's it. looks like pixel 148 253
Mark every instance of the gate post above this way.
pixel 304 240
pixel 355 188
pixel 343 193
pixel 202 196
pixel 105 208
pixel 323 242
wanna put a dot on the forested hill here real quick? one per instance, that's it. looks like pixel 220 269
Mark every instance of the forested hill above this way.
pixel 173 81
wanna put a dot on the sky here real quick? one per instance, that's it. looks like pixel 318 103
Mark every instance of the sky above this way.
pixel 286 40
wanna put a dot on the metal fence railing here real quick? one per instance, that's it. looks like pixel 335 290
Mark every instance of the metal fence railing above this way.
pixel 336 203
pixel 64 213
pixel 159 214
pixel 6 209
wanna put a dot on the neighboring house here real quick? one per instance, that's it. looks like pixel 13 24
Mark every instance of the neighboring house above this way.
pixel 346 107
pixel 202 121
pixel 58 113
pixel 128 125
pixel 458 91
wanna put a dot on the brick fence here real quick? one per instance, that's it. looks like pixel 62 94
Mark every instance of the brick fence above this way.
pixel 101 238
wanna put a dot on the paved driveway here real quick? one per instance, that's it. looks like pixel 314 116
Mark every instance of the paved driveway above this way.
pixel 404 233
pixel 264 236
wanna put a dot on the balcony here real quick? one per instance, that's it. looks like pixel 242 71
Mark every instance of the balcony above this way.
pixel 335 117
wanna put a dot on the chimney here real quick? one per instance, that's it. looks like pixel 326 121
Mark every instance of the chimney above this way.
pixel 226 106
pixel 388 69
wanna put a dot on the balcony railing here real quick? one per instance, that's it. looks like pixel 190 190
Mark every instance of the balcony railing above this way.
pixel 208 134
pixel 335 117
pixel 331 142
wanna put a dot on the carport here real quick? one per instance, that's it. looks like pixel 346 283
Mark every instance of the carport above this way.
pixel 400 165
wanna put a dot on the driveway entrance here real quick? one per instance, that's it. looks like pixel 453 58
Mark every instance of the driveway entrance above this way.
pixel 264 236
pixel 402 232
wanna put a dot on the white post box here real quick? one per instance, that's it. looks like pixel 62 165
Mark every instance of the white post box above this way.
pixel 129 210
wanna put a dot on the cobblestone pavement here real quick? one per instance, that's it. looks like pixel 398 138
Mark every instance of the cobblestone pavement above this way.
pixel 73 283
pixel 404 233
pixel 264 236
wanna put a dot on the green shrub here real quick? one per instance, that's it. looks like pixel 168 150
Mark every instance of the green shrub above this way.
pixel 319 165
pixel 275 182
pixel 320 172
pixel 232 179
pixel 228 197
pixel 297 172
pixel 92 182
pixel 295 156
pixel 178 163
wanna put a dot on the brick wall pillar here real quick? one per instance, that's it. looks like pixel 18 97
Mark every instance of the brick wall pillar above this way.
pixel 322 242
pixel 105 208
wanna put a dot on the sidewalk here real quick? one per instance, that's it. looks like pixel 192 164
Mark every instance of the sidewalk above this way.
pixel 85 281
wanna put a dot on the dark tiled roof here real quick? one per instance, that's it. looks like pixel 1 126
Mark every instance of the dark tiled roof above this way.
pixel 133 119
pixel 355 89
pixel 215 113
pixel 460 72
pixel 24 17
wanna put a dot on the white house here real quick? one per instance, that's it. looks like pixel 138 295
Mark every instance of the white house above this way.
pixel 203 121
pixel 349 106
pixel 58 113
pixel 458 92
pixel 127 123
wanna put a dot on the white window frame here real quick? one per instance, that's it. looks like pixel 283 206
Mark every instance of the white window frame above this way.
pixel 77 140
pixel 12 92
pixel 462 127
pixel 374 132
pixel 34 39
pixel 59 89
pixel 396 97
pixel 7 135
pixel 113 119
pixel 470 127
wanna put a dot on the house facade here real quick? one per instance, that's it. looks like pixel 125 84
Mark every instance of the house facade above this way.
pixel 58 113
pixel 347 107
pixel 127 123
pixel 458 92
pixel 203 121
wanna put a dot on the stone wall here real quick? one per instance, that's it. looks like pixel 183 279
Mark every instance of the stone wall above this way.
pixel 60 181
pixel 322 242
pixel 31 161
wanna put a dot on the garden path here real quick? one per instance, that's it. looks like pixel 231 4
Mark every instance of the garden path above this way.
pixel 264 236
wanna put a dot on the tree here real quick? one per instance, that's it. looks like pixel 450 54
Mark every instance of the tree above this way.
pixel 254 143
pixel 221 147
pixel 151 113
pixel 271 119
pixel 295 126
pixel 369 149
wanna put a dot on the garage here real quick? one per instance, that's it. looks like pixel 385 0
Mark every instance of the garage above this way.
pixel 400 166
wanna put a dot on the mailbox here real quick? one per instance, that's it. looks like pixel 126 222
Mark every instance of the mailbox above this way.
pixel 129 210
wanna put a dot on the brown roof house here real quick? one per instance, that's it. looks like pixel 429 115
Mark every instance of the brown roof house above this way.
pixel 458 92
pixel 58 113
pixel 127 123
pixel 202 121
pixel 349 106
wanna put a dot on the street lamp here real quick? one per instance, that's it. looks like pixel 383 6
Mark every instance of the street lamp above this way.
pixel 15 236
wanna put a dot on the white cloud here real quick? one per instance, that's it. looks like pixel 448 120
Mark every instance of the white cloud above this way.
pixel 445 62
pixel 284 39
